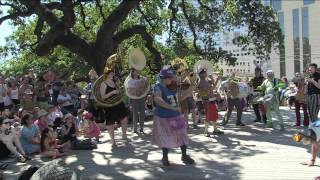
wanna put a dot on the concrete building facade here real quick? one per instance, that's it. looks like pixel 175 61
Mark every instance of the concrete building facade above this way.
pixel 300 23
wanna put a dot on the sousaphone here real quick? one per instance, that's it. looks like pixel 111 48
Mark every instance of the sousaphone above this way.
pixel 116 99
pixel 136 88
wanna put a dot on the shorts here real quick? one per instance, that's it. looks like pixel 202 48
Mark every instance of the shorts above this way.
pixel 1 106
pixel 187 105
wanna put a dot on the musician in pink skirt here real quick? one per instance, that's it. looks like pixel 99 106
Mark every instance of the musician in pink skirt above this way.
pixel 169 126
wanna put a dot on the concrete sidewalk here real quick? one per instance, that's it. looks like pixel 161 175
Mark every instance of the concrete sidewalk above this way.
pixel 250 152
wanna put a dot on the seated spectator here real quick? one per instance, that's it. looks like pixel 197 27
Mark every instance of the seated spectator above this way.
pixel 90 127
pixel 9 137
pixel 69 130
pixel 54 113
pixel 49 145
pixel 42 121
pixel 30 136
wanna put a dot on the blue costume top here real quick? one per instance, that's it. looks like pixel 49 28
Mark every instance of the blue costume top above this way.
pixel 169 97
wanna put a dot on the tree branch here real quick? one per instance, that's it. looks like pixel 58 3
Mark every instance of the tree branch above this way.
pixel 15 16
pixel 83 17
pixel 38 28
pixel 68 13
pixel 78 46
pixel 145 17
pixel 100 8
pixel 141 30
pixel 42 11
pixel 110 25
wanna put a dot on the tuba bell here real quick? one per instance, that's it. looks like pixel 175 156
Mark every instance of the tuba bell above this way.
pixel 136 88
pixel 116 99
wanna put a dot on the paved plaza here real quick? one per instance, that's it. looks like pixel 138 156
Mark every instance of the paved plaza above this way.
pixel 250 152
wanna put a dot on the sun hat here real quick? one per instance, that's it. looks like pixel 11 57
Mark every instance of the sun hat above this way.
pixel 167 72
pixel 42 112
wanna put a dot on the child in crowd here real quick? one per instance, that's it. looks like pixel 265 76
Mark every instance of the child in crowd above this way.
pixel 49 146
pixel 211 113
pixel 90 127
pixel 54 113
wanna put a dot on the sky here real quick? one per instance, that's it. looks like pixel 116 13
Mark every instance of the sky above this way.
pixel 5 30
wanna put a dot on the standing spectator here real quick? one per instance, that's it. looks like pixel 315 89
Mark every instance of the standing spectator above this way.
pixel 24 86
pixel 300 101
pixel 30 135
pixel 41 94
pixel 13 93
pixel 3 90
pixel 26 101
pixel 65 100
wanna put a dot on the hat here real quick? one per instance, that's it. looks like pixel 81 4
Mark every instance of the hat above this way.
pixel 201 70
pixel 28 91
pixel 167 72
pixel 269 71
pixel 42 112
pixel 87 115
pixel 67 116
pixel 51 106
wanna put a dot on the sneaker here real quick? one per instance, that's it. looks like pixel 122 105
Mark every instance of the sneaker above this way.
pixel 240 124
pixel 141 131
pixel 187 160
pixel 269 125
pixel 165 161
pixel 195 126
pixel 22 159
pixel 217 132
pixel 281 127
pixel 257 120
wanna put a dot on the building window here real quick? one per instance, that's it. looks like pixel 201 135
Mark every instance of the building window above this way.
pixel 296 40
pixel 276 4
pixel 282 49
pixel 307 2
pixel 306 47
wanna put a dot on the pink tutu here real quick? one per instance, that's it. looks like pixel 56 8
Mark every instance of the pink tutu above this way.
pixel 170 132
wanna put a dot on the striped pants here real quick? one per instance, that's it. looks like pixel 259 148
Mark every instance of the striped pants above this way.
pixel 313 102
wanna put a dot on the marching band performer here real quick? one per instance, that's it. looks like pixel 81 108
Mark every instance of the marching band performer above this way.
pixel 137 105
pixel 313 101
pixel 270 86
pixel 231 89
pixel 255 82
pixel 118 113
pixel 187 101
pixel 169 126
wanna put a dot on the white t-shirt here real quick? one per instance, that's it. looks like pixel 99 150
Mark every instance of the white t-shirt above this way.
pixel 66 99
pixel 53 115
pixel 14 94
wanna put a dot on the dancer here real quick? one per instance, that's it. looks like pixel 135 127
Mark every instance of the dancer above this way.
pixel 255 82
pixel 205 89
pixel 271 86
pixel 169 126
pixel 231 89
